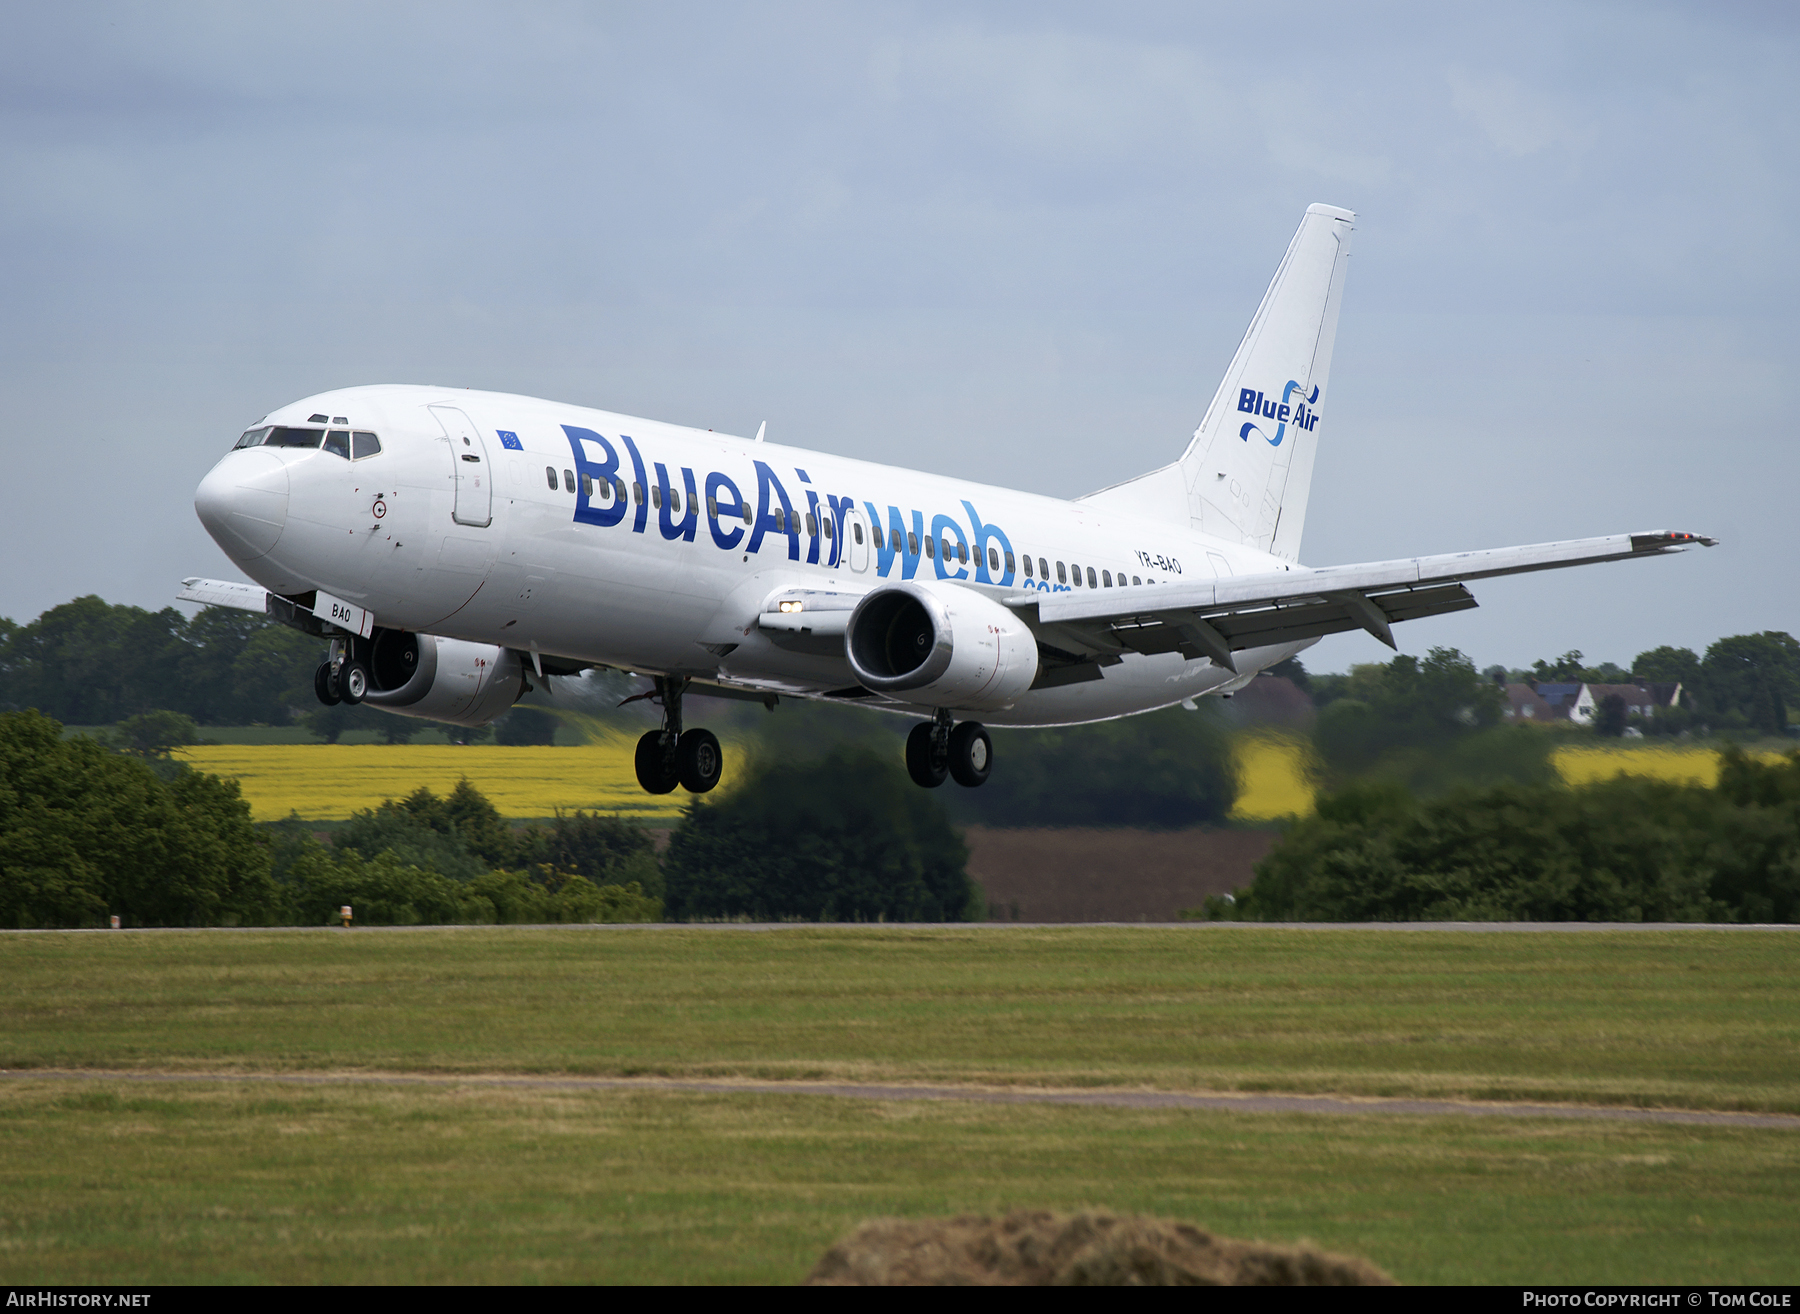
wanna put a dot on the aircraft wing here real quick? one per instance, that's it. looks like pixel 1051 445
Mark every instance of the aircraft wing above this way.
pixel 1221 616
pixel 223 593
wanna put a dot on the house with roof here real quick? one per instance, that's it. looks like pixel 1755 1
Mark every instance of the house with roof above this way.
pixel 1580 703
pixel 1644 699
pixel 1523 703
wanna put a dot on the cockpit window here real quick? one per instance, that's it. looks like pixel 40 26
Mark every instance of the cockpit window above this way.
pixel 338 443
pixel 253 437
pixel 364 444
pixel 287 436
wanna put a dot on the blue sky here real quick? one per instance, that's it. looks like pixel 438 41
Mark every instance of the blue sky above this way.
pixel 1017 242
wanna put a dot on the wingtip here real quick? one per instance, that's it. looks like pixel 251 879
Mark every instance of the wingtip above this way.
pixel 1669 538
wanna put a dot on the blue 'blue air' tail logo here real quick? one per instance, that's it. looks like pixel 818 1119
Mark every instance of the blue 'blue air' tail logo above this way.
pixel 1285 412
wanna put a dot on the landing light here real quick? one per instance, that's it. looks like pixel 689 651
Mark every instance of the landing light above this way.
pixel 790 606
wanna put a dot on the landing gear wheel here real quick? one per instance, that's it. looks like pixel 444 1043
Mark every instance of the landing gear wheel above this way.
pixel 353 682
pixel 971 754
pixel 698 762
pixel 654 770
pixel 325 685
pixel 918 758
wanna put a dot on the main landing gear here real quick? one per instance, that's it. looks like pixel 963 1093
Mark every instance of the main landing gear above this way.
pixel 341 678
pixel 940 747
pixel 669 757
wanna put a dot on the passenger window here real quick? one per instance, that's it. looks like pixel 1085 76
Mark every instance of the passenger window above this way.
pixel 364 444
pixel 550 474
pixel 812 525
pixel 1027 567
pixel 337 442
pixel 962 553
pixel 656 496
pixel 1090 577
pixel 619 489
pixel 1136 580
pixel 604 487
pixel 712 508
pixel 912 544
pixel 858 531
pixel 637 492
pixel 587 485
pixel 675 501
pixel 749 515
pixel 829 528
pixel 1075 574
pixel 1060 577
pixel 569 480
pixel 1009 562
pixel 1043 569
pixel 931 548
pixel 1106 578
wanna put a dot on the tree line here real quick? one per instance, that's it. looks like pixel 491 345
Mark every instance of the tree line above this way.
pixel 1626 850
pixel 88 832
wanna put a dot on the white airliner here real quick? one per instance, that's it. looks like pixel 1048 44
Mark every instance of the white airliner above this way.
pixel 452 544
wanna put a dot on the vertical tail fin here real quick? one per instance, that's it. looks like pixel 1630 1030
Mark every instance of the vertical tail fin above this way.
pixel 1246 474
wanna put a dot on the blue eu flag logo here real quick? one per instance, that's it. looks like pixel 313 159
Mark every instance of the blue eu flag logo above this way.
pixel 510 440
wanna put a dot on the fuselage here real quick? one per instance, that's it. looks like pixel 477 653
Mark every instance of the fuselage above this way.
pixel 651 547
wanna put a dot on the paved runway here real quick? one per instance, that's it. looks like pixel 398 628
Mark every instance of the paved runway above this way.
pixel 1570 928
pixel 1326 1105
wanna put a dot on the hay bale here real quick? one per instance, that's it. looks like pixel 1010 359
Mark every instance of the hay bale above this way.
pixel 1092 1249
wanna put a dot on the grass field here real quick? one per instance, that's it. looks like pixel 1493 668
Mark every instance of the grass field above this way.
pixel 157 1184
pixel 110 1181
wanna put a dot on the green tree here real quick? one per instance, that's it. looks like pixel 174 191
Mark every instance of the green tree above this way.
pixel 1610 717
pixel 1416 710
pixel 85 832
pixel 844 838
pixel 526 726
pixel 1166 769
pixel 1755 676
pixel 1668 664
pixel 604 850
pixel 155 734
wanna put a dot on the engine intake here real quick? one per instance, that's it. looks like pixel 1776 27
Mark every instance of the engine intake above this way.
pixel 441 679
pixel 942 646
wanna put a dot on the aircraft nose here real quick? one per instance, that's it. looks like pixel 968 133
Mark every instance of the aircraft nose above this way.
pixel 243 503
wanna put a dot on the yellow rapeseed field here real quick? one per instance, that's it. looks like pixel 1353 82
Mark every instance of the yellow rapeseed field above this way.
pixel 1275 777
pixel 331 781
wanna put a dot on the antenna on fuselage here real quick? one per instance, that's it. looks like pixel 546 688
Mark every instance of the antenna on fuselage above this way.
pixel 761 429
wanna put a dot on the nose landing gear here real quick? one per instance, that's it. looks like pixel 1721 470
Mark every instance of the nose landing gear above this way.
pixel 669 757
pixel 341 678
pixel 939 748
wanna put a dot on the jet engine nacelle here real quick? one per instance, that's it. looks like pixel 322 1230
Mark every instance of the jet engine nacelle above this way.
pixel 940 645
pixel 442 679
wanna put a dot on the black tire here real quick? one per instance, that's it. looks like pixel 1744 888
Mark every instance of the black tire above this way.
pixel 918 758
pixel 325 685
pixel 698 761
pixel 353 682
pixel 653 768
pixel 971 754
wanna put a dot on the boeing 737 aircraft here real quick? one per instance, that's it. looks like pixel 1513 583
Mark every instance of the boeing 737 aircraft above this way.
pixel 454 545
